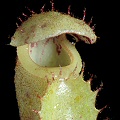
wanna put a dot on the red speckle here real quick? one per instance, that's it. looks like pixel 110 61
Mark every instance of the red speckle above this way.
pixel 44 47
pixel 84 38
pixel 58 48
pixel 27 95
pixel 60 73
pixel 32 29
pixel 93 27
pixel 39 96
pixel 90 21
pixel 26 40
pixel 69 10
pixel 75 69
pixel 53 6
pixel 22 30
pixel 13 38
pixel 20 19
pixel 103 108
pixel 30 51
pixel 24 14
pixel 30 10
pixel 53 75
pixel 84 14
pixel 80 116
pixel 17 25
pixel 43 25
pixel 32 45
pixel 47 41
pixel 42 9
pixel 36 111
pixel 53 40
pixel 36 44
pixel 91 78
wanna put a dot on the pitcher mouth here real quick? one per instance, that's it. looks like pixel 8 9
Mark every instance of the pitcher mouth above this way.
pixel 56 56
pixel 49 52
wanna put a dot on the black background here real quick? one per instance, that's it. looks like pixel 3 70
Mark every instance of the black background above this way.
pixel 100 58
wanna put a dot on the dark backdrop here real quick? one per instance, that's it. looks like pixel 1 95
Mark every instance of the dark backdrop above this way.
pixel 101 58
